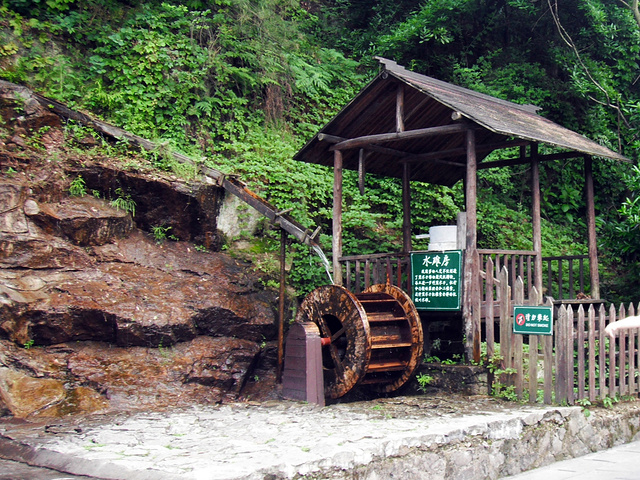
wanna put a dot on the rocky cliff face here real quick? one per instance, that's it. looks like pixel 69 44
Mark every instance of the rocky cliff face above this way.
pixel 95 313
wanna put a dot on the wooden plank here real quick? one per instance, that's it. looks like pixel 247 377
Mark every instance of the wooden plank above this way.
pixel 547 362
pixel 533 368
pixel 505 319
pixel 580 338
pixel 622 359
pixel 518 359
pixel 638 358
pixel 612 357
pixel 559 354
pixel 602 358
pixel 533 353
pixel 631 385
pixel 591 314
pixel 489 298
pixel 569 356
pixel 367 274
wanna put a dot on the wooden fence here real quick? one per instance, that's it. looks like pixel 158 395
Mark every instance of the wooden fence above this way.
pixel 578 362
pixel 362 271
pixel 564 277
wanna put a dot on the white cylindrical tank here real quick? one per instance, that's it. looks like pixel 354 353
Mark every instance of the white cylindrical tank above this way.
pixel 443 237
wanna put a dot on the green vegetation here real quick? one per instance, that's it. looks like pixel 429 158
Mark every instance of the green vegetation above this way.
pixel 78 187
pixel 241 85
pixel 123 201
pixel 159 233
pixel 424 381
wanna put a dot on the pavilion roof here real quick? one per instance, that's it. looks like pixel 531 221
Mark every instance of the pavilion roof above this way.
pixel 435 116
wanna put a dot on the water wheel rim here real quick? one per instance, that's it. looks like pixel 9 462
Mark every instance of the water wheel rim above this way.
pixel 350 346
pixel 417 336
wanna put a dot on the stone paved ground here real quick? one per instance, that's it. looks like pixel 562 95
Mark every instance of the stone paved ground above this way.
pixel 285 440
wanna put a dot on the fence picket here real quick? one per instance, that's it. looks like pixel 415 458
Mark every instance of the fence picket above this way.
pixel 580 339
pixel 517 343
pixel 602 378
pixel 489 301
pixel 547 352
pixel 533 354
pixel 612 356
pixel 591 314
pixel 631 384
pixel 505 317
pixel 560 356
pixel 569 356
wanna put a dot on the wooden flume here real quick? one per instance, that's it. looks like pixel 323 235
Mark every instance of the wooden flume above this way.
pixel 373 338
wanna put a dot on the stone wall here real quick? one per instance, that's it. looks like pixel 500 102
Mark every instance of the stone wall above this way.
pixel 502 448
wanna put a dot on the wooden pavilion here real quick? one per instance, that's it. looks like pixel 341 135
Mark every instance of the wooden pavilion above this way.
pixel 416 128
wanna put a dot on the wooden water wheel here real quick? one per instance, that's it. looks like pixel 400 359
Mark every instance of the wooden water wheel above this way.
pixel 373 338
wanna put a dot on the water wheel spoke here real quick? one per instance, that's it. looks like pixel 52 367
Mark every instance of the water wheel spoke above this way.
pixel 337 335
pixel 333 350
pixel 337 362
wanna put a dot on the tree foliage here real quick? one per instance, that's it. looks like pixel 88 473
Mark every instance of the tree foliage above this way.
pixel 244 83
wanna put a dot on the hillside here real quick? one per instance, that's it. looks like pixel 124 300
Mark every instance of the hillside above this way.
pixel 241 85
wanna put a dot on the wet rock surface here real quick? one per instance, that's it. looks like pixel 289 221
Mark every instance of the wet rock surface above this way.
pixel 97 314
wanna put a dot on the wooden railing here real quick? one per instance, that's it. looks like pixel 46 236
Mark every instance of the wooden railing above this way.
pixel 518 263
pixel 566 276
pixel 362 271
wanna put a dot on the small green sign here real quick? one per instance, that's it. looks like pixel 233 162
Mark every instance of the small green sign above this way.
pixel 436 281
pixel 533 320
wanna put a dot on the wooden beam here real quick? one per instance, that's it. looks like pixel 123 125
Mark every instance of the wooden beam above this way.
pixel 337 217
pixel 397 136
pixel 323 137
pixel 522 161
pixel 591 228
pixel 536 220
pixel 431 156
pixel 452 152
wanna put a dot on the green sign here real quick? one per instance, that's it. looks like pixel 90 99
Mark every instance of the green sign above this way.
pixel 436 283
pixel 533 320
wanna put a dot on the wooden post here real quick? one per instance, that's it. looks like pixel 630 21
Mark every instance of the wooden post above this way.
pixel 591 228
pixel 283 267
pixel 400 108
pixel 361 170
pixel 302 378
pixel 536 223
pixel 406 208
pixel 472 301
pixel 337 217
